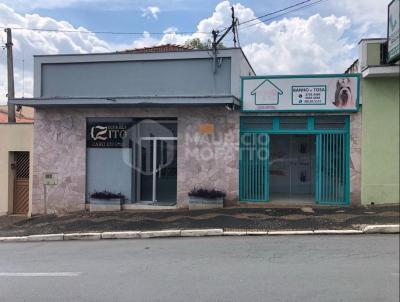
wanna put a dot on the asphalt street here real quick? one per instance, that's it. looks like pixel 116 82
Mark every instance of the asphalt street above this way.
pixel 282 268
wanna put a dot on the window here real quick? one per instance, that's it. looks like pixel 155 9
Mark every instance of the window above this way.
pixel 254 123
pixel 293 122
pixel 330 122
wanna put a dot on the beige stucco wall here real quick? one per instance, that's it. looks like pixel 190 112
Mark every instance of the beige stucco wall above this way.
pixel 13 137
pixel 208 160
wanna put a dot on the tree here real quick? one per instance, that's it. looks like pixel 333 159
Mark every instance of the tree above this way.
pixel 196 43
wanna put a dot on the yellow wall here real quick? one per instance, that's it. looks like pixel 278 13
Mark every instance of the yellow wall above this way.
pixel 13 137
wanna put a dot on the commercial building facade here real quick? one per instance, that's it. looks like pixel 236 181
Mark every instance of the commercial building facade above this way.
pixel 169 119
pixel 153 126
pixel 312 143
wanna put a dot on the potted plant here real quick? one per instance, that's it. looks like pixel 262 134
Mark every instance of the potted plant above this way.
pixel 206 199
pixel 106 201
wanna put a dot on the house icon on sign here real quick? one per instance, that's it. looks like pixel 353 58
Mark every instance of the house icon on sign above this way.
pixel 267 93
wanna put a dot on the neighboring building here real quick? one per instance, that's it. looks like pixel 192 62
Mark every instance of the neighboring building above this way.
pixel 307 129
pixel 22 114
pixel 380 123
pixel 149 124
pixel 16 144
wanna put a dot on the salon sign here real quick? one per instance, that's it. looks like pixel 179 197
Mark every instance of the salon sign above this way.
pixel 107 134
pixel 338 92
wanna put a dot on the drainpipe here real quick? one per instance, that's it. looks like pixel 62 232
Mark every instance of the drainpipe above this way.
pixel 10 77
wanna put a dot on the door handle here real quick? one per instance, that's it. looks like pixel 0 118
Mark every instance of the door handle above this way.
pixel 159 171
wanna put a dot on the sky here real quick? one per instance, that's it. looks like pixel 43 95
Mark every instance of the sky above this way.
pixel 321 38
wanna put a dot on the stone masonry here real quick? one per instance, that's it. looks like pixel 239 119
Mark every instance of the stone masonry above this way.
pixel 204 160
pixel 355 158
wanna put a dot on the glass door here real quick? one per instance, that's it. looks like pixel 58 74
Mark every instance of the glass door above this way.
pixel 166 160
pixel 158 170
pixel 146 169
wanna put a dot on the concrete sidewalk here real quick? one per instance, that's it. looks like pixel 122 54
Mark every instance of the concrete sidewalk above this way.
pixel 236 221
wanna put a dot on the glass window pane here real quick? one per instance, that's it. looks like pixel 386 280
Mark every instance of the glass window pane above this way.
pixel 158 128
pixel 293 122
pixel 330 122
pixel 257 122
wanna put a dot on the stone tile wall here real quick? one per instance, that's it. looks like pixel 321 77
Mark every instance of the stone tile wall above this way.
pixel 355 158
pixel 204 160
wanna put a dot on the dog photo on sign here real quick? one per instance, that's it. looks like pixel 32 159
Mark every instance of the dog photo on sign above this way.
pixel 343 94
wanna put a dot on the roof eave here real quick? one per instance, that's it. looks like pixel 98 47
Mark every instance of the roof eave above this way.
pixel 127 101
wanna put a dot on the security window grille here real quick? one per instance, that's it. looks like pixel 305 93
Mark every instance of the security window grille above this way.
pixel 255 123
pixel 293 122
pixel 22 164
pixel 330 122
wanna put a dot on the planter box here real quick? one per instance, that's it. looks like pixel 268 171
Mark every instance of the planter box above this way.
pixel 104 205
pixel 199 203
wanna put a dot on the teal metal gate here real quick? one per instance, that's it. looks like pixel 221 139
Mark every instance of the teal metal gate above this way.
pixel 332 185
pixel 254 160
pixel 332 160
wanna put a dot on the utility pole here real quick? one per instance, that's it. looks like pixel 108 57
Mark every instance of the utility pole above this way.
pixel 10 77
pixel 234 29
pixel 215 34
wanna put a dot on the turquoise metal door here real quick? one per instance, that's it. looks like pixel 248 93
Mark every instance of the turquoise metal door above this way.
pixel 253 170
pixel 332 182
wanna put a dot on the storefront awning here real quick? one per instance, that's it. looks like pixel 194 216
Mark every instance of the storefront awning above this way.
pixel 143 101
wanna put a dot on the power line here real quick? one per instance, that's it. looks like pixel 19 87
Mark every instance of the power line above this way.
pixel 277 11
pixel 283 14
pixel 183 32
pixel 273 13
pixel 106 32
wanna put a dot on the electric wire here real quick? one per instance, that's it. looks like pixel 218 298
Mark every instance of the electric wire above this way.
pixel 103 32
pixel 283 14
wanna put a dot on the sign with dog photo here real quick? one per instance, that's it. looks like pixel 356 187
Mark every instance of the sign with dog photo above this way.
pixel 338 92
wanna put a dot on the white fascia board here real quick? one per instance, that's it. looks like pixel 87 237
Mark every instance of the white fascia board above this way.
pixel 116 57
pixel 127 101
pixel 372 40
pixel 381 71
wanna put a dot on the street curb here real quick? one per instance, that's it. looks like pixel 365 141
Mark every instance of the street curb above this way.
pixel 368 229
pixel 272 233
pixel 202 232
pixel 82 236
pixel 46 237
pixel 156 234
pixel 337 232
pixel 120 235
pixel 381 229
